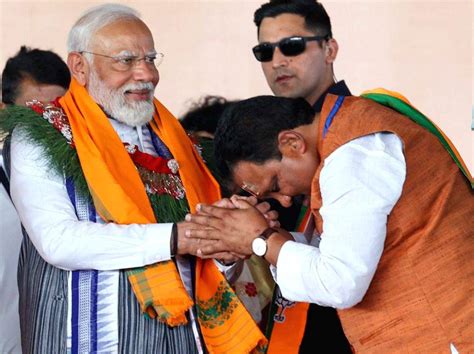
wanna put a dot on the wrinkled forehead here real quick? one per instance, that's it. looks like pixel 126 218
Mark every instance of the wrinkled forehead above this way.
pixel 124 35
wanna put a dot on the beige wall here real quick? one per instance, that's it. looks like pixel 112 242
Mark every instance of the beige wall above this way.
pixel 420 48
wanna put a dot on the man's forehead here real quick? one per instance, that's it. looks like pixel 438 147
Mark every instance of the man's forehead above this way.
pixel 244 170
pixel 127 34
pixel 273 29
pixel 252 174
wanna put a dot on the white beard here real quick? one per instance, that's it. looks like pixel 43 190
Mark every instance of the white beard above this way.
pixel 113 101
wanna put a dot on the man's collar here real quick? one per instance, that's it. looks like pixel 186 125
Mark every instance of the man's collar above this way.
pixel 339 88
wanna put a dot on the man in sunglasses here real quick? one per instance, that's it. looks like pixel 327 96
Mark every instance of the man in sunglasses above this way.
pixel 297 52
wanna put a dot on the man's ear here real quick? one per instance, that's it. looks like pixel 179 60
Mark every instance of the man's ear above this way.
pixel 291 143
pixel 331 50
pixel 79 67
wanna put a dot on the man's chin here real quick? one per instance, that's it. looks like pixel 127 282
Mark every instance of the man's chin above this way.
pixel 135 121
pixel 136 114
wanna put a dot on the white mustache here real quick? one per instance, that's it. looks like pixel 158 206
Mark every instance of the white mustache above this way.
pixel 138 86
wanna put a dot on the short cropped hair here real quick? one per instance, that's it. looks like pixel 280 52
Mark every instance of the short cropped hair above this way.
pixel 93 20
pixel 315 16
pixel 248 130
pixel 41 66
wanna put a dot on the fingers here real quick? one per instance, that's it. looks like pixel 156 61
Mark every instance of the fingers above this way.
pixel 210 210
pixel 188 245
pixel 250 199
pixel 218 250
pixel 203 233
pixel 205 220
pixel 224 203
pixel 263 207
pixel 273 223
pixel 271 215
pixel 240 202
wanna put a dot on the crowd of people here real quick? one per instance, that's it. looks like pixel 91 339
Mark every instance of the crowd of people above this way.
pixel 308 221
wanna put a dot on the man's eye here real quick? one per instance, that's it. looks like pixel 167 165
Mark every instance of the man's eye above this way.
pixel 150 59
pixel 125 61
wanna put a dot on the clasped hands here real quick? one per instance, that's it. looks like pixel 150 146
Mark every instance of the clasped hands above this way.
pixel 226 229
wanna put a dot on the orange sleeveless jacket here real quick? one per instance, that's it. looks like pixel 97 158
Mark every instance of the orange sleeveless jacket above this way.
pixel 421 298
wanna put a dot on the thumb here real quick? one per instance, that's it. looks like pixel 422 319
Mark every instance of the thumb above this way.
pixel 240 203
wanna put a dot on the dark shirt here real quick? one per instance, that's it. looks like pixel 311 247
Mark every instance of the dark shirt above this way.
pixel 4 180
pixel 339 88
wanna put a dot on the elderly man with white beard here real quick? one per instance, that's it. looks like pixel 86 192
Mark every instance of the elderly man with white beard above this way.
pixel 102 179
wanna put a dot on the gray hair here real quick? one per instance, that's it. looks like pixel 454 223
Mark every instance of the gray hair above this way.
pixel 93 20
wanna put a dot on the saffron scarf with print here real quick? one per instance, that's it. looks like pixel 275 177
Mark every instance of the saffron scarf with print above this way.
pixel 119 196
pixel 288 316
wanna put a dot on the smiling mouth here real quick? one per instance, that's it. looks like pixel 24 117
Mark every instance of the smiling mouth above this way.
pixel 139 94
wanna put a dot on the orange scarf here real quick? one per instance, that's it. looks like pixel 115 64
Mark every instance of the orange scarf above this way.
pixel 119 196
pixel 289 319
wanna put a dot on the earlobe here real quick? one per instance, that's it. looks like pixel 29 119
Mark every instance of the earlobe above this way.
pixel 331 50
pixel 79 67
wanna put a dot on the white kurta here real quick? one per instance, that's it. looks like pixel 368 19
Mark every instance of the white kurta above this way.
pixel 50 219
pixel 360 183
pixel 10 242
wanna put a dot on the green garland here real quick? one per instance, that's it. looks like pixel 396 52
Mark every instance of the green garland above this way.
pixel 63 159
pixel 60 156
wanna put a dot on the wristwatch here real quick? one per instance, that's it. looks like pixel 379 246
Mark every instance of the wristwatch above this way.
pixel 259 244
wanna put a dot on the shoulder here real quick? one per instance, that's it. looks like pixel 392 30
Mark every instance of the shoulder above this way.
pixel 373 164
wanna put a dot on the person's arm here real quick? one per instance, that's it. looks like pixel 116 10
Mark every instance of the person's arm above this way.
pixel 45 210
pixel 360 184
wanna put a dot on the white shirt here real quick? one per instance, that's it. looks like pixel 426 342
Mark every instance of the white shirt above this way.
pixel 360 183
pixel 48 216
pixel 10 242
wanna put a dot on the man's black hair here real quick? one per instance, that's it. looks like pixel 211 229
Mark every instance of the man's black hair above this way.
pixel 248 130
pixel 315 16
pixel 41 66
pixel 204 115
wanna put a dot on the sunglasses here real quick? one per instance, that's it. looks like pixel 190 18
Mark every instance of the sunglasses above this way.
pixel 290 47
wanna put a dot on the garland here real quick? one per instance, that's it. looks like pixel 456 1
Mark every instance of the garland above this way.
pixel 53 135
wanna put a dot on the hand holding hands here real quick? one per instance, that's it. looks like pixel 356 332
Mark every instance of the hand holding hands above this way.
pixel 229 225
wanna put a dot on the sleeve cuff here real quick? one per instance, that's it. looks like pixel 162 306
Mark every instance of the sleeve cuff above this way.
pixel 293 262
pixel 157 242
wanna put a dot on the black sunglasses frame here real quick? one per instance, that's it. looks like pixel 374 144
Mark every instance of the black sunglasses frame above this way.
pixel 258 49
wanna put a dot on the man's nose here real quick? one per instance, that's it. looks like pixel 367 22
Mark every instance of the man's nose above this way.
pixel 279 59
pixel 143 71
pixel 284 200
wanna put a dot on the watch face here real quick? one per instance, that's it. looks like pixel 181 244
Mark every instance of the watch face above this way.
pixel 259 246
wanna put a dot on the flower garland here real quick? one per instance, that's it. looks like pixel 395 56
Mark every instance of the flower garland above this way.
pixel 159 175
